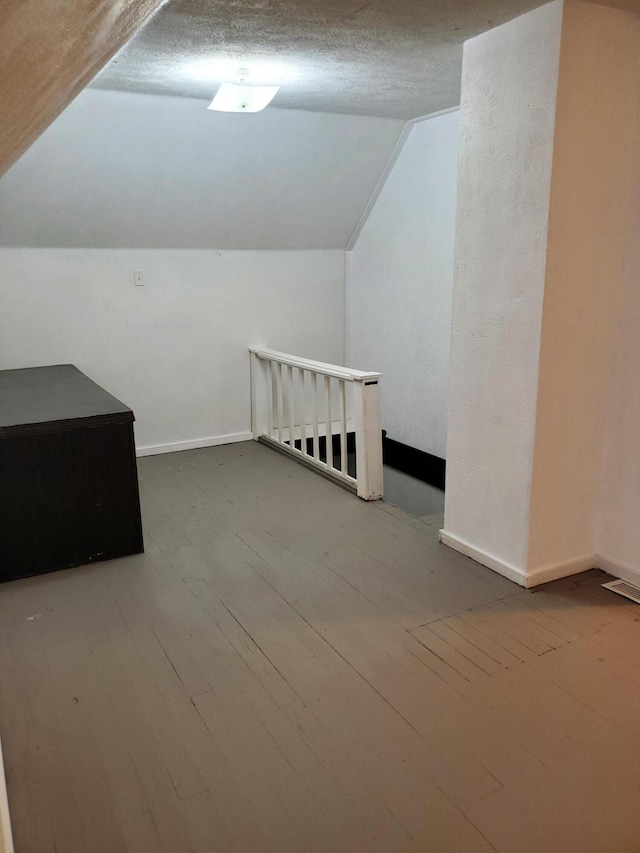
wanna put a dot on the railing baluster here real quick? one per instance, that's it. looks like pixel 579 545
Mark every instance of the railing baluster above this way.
pixel 279 401
pixel 329 431
pixel 292 442
pixel 316 443
pixel 303 419
pixel 270 396
pixel 342 386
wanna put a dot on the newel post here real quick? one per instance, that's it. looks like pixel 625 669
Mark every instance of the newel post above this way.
pixel 366 397
pixel 259 396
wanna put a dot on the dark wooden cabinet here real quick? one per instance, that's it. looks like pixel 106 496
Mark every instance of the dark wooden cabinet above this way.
pixel 68 477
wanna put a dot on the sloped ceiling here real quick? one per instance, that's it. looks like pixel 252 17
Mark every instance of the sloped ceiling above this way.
pixel 393 58
pixel 122 170
pixel 49 51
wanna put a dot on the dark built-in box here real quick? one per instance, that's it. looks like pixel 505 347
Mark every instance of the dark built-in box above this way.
pixel 68 477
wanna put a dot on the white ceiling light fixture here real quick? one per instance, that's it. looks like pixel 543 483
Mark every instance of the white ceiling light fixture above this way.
pixel 239 98
pixel 242 97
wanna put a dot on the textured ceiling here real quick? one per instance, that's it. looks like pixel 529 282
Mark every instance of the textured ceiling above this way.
pixel 393 58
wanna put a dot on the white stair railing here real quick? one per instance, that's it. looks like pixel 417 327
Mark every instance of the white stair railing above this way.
pixel 295 403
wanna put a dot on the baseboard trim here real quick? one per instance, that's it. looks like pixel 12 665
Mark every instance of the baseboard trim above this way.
pixel 619 570
pixel 523 578
pixel 482 557
pixel 194 444
pixel 417 463
pixel 562 570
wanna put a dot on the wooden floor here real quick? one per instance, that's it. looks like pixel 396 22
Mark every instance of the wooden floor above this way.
pixel 290 670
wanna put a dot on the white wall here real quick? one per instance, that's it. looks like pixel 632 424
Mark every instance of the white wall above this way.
pixel 619 530
pixel 594 187
pixel 174 350
pixel 119 169
pixel 399 279
pixel 549 183
pixel 195 199
pixel 509 79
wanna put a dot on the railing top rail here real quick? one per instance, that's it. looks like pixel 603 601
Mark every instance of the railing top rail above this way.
pixel 316 366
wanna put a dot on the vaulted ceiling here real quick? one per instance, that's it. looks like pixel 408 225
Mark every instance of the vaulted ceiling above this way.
pixel 392 58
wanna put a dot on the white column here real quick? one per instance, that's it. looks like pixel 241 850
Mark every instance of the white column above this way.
pixel 546 178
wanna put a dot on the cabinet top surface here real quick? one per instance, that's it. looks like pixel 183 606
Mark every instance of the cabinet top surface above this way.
pixel 54 394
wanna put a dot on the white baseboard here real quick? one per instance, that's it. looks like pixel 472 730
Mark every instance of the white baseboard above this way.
pixel 6 837
pixel 561 570
pixel 194 444
pixel 488 560
pixel 519 576
pixel 619 570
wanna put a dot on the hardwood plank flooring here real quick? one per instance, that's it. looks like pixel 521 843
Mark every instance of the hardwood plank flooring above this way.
pixel 290 670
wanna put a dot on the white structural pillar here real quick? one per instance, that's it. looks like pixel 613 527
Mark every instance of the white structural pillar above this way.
pixel 548 177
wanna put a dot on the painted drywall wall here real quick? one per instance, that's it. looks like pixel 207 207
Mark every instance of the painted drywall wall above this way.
pixel 619 531
pixel 594 188
pixel 194 199
pixel 507 117
pixel 175 350
pixel 399 278
pixel 120 170
pixel 542 471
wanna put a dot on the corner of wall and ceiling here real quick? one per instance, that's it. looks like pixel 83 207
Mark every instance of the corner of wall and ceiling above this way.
pixel 386 172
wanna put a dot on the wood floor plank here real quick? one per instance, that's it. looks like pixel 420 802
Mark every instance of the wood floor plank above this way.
pixel 586 671
pixel 447 652
pixel 206 827
pixel 266 643
pixel 468 650
pixel 481 641
pixel 568 604
pixel 526 632
pixel 75 844
pixel 556 627
pixel 140 834
pixel 482 621
pixel 288 669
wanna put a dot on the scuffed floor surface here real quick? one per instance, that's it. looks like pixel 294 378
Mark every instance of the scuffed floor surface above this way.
pixel 290 670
